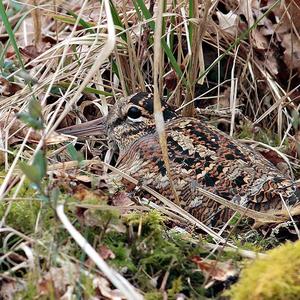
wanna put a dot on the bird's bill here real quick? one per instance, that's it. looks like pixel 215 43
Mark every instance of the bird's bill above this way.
pixel 90 128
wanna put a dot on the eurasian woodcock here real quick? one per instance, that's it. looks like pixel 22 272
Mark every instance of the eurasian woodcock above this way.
pixel 200 156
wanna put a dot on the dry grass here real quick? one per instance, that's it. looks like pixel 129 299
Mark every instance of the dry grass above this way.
pixel 200 58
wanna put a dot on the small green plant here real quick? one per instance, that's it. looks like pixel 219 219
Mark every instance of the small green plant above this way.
pixel 75 155
pixel 36 171
pixel 33 117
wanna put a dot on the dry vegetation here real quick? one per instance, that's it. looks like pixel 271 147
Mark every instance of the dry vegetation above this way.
pixel 63 235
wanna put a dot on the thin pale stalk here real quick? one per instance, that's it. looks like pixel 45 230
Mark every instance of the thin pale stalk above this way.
pixel 159 119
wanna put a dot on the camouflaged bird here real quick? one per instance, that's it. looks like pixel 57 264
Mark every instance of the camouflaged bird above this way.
pixel 200 156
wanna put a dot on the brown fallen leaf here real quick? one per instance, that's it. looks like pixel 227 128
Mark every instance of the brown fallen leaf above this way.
pixel 276 160
pixel 245 9
pixel 60 282
pixel 8 88
pixel 82 193
pixel 9 287
pixel 32 51
pixel 294 145
pixel 259 41
pixel 121 199
pixel 291 53
pixel 106 253
pixel 105 290
pixel 288 16
pixel 57 280
pixel 214 269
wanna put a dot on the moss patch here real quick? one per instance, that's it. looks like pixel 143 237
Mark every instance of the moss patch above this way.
pixel 22 215
pixel 276 277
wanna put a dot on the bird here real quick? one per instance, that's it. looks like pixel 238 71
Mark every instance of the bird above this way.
pixel 200 157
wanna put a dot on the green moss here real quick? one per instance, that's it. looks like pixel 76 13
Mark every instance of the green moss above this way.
pixel 151 222
pixel 22 214
pixel 117 243
pixel 176 288
pixel 246 131
pixel 275 277
pixel 85 290
pixel 154 296
pixel 148 251
pixel 26 190
pixel 31 290
pixel 264 135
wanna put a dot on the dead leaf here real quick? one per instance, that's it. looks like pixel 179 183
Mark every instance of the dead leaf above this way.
pixel 271 62
pixel 272 156
pixel 49 40
pixel 103 287
pixel 294 145
pixel 106 253
pixel 8 88
pixel 289 13
pixel 30 51
pixel 82 193
pixel 9 287
pixel 17 131
pixel 276 160
pixel 62 280
pixel 259 41
pixel 57 280
pixel 228 22
pixel 121 199
pixel 267 28
pixel 288 16
pixel 245 8
pixel 292 51
pixel 171 80
pixel 214 269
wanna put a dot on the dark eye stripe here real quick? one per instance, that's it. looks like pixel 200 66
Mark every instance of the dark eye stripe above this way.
pixel 118 122
pixel 144 100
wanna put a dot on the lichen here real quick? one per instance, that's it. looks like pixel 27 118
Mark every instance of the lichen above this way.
pixel 275 277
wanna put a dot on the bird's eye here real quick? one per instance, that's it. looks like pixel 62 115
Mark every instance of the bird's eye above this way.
pixel 134 112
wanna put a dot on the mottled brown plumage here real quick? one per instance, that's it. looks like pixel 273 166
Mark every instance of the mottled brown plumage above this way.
pixel 200 156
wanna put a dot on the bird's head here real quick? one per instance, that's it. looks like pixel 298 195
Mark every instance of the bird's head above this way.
pixel 132 117
pixel 128 119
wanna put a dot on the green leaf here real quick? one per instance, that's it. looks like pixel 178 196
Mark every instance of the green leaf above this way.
pixel 34 123
pixel 33 117
pixel 82 22
pixel 69 20
pixel 31 172
pixel 75 155
pixel 168 51
pixel 40 162
pixel 10 33
pixel 88 90
pixel 117 20
pixel 37 170
pixel 35 108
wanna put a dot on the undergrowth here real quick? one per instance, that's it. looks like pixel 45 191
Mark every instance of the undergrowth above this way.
pixel 65 63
